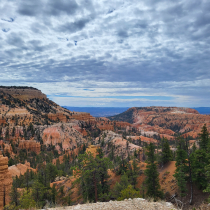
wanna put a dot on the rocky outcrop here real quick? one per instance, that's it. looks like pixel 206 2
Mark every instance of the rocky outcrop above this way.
pixel 134 204
pixel 59 117
pixel 136 139
pixel 121 147
pixel 5 181
pixel 83 116
pixel 63 135
pixel 30 145
pixel 20 169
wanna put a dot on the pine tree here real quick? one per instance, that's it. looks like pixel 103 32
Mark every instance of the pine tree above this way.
pixel 0 131
pixel 204 138
pixel 54 193
pixel 13 131
pixel 14 194
pixel 207 173
pixel 152 175
pixel 200 159
pixel 166 154
pixel 123 167
pixel 123 184
pixel 26 201
pixel 181 180
pixel 7 134
pixel 182 168
pixel 133 173
pixel 92 176
pixel 38 192
pixel 194 147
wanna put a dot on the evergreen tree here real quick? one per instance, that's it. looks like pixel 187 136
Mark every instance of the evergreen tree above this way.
pixel 14 194
pixel 123 184
pixel 152 175
pixel 201 159
pixel 0 131
pixel 38 192
pixel 207 173
pixel 181 180
pixel 166 155
pixel 7 134
pixel 133 173
pixel 123 166
pixel 26 201
pixel 13 131
pixel 204 138
pixel 92 175
pixel 194 147
pixel 182 168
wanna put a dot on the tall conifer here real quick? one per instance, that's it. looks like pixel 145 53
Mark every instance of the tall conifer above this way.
pixel 152 179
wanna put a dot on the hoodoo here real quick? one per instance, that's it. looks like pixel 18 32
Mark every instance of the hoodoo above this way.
pixel 5 181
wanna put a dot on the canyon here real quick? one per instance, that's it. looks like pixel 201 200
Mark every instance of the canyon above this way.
pixel 32 126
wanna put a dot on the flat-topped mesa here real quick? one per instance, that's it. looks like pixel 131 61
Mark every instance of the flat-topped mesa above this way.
pixel 24 93
pixel 5 182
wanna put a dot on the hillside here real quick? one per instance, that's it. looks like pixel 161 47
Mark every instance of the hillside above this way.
pixel 165 120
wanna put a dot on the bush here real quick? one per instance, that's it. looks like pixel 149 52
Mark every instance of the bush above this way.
pixel 26 201
pixel 129 192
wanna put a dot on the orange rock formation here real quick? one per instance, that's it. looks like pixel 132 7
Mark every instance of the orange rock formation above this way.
pixel 30 145
pixel 5 181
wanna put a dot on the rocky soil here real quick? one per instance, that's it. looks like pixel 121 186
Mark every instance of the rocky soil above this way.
pixel 129 204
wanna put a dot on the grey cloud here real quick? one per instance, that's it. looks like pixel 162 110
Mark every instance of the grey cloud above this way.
pixel 49 7
pixel 122 34
pixel 55 7
pixel 39 28
pixel 36 45
pixel 15 40
pixel 73 26
pixel 8 20
pixel 203 20
pixel 30 8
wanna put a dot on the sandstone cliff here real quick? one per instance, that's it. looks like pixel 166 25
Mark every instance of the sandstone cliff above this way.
pixel 30 145
pixel 5 182
pixel 63 135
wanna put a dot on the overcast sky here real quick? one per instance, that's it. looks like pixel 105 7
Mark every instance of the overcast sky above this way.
pixel 108 53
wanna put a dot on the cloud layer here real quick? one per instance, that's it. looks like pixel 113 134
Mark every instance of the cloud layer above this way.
pixel 99 49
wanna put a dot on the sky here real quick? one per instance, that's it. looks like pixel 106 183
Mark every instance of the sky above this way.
pixel 104 53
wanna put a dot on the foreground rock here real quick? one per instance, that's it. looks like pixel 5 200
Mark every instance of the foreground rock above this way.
pixel 130 204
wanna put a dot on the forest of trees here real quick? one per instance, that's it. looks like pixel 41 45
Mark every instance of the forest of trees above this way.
pixel 91 173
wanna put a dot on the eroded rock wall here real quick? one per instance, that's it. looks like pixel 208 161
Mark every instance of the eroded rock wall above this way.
pixel 5 182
